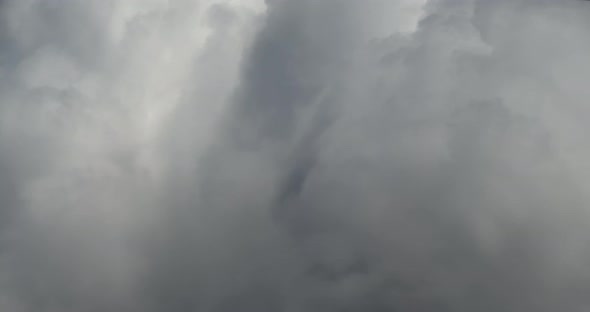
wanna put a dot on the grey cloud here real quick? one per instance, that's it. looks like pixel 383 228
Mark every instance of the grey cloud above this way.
pixel 316 156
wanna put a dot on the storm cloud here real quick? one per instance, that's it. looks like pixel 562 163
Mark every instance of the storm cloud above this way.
pixel 294 155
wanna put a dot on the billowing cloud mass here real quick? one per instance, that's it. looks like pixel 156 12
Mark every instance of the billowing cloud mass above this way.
pixel 294 155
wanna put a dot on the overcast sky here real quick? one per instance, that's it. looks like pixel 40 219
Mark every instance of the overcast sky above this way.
pixel 294 155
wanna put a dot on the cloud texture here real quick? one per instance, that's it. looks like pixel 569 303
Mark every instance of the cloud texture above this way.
pixel 294 155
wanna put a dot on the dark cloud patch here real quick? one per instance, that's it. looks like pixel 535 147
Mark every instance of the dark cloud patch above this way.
pixel 427 183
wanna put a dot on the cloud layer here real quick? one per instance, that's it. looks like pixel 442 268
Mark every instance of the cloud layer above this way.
pixel 294 155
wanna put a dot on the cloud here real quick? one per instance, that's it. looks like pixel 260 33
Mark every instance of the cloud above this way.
pixel 305 155
pixel 88 89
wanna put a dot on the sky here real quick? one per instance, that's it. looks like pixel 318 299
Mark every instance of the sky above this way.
pixel 294 155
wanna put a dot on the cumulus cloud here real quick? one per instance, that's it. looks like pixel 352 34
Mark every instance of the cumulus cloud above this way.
pixel 294 155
